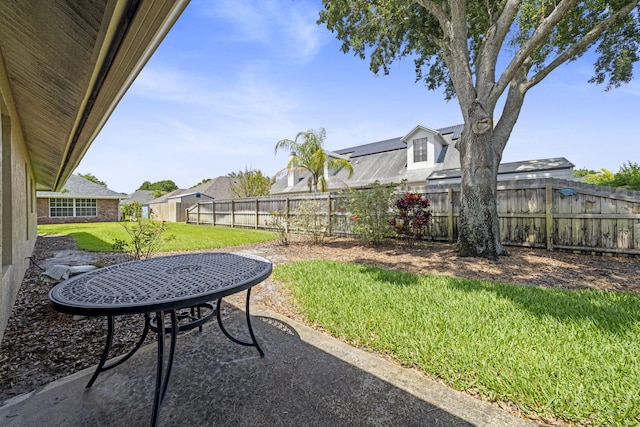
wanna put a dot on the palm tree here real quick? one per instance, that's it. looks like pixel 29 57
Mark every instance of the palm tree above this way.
pixel 307 154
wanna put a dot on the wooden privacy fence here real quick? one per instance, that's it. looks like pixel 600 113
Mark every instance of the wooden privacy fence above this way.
pixel 545 213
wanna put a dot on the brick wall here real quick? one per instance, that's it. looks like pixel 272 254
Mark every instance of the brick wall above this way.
pixel 107 212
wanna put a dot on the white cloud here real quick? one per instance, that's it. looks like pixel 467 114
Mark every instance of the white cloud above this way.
pixel 289 29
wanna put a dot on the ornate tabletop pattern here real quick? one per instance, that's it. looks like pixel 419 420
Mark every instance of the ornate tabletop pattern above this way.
pixel 154 284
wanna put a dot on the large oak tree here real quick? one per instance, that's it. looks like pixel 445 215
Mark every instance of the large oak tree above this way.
pixel 457 45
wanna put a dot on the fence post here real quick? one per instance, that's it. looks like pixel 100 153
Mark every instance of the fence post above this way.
pixel 213 213
pixel 257 213
pixel 549 215
pixel 198 214
pixel 286 215
pixel 329 223
pixel 450 214
pixel 233 214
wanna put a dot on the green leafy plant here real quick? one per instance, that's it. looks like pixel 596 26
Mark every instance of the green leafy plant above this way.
pixel 145 237
pixel 370 212
pixel 250 183
pixel 131 210
pixel 628 176
pixel 278 222
pixel 309 219
pixel 412 217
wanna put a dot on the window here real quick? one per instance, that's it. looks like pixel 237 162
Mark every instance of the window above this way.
pixel 86 207
pixel 60 207
pixel 72 207
pixel 420 150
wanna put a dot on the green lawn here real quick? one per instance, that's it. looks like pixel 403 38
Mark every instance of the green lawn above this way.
pixel 572 355
pixel 99 237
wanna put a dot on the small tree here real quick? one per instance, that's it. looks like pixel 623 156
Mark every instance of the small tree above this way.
pixel 370 212
pixel 250 183
pixel 131 210
pixel 146 236
pixel 412 217
pixel 310 218
pixel 278 222
pixel 628 176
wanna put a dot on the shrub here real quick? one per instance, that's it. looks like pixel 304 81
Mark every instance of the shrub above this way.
pixel 412 217
pixel 131 210
pixel 370 212
pixel 279 221
pixel 145 235
pixel 310 218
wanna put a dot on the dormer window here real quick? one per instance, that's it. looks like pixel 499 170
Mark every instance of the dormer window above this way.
pixel 420 150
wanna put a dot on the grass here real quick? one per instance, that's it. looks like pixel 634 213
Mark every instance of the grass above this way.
pixel 99 237
pixel 553 353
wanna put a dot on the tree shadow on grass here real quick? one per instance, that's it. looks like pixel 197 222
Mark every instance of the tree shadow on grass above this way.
pixel 89 240
pixel 610 311
pixel 395 277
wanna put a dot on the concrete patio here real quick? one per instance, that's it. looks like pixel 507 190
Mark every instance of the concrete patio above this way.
pixel 306 378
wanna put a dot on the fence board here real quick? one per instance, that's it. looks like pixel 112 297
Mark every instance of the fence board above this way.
pixel 531 213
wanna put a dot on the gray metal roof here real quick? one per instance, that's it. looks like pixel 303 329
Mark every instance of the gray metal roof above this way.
pixel 374 147
pixel 513 167
pixel 76 186
pixel 455 131
pixel 396 143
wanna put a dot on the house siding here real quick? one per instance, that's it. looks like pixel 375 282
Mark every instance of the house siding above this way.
pixel 172 211
pixel 107 212
pixel 18 222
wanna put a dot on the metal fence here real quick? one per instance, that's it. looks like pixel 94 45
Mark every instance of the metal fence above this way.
pixel 546 213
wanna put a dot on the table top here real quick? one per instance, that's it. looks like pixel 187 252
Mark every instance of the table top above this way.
pixel 159 284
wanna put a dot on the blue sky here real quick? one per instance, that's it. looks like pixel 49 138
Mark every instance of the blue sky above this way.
pixel 235 76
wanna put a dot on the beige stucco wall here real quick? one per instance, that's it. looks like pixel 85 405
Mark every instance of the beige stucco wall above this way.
pixel 18 222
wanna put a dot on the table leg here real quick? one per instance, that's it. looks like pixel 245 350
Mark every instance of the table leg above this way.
pixel 109 342
pixel 163 373
pixel 105 353
pixel 253 342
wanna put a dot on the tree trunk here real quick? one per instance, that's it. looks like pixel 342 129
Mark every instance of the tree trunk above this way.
pixel 479 233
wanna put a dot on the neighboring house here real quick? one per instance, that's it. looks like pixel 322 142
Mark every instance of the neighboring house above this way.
pixel 172 206
pixel 64 66
pixel 422 157
pixel 80 200
pixel 144 197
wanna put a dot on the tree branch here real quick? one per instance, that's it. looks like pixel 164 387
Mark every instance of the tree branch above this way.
pixel 491 46
pixel 511 110
pixel 580 45
pixel 436 11
pixel 539 36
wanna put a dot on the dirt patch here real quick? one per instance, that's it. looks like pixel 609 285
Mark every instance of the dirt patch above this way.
pixel 41 345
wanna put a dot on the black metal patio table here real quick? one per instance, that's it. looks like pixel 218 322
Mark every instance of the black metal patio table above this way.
pixel 162 285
